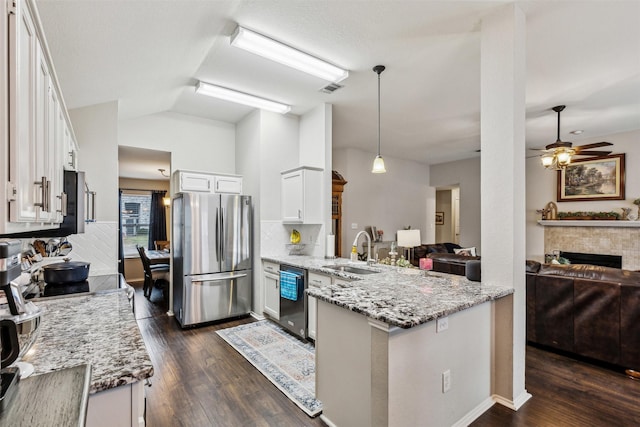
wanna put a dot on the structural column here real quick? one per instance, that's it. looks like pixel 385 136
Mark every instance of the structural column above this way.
pixel 503 193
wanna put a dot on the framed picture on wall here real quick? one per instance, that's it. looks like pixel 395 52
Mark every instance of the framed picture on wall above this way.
pixel 593 178
pixel 439 218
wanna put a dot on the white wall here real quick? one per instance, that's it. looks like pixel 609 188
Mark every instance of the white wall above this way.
pixel 96 129
pixel 542 184
pixel 316 129
pixel 194 143
pixel 465 174
pixel 389 201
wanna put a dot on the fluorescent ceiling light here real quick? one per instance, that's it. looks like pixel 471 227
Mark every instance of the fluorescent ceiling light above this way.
pixel 276 51
pixel 241 98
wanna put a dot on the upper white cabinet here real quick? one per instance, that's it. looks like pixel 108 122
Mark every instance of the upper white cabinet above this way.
pixel 302 196
pixel 202 182
pixel 36 131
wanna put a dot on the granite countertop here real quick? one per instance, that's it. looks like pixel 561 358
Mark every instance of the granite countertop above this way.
pixel 97 329
pixel 397 296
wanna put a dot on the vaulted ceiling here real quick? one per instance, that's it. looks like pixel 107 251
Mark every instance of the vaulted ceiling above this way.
pixel 148 55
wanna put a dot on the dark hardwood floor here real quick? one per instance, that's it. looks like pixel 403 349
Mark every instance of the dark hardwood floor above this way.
pixel 201 381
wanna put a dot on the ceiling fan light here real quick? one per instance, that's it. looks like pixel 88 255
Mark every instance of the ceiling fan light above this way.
pixel 564 158
pixel 378 165
pixel 547 160
pixel 241 98
pixel 271 49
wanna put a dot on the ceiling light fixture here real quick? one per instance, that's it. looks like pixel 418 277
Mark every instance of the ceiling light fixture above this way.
pixel 241 98
pixel 286 55
pixel 378 162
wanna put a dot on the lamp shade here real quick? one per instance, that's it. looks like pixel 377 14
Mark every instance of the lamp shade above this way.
pixel 409 238
pixel 378 165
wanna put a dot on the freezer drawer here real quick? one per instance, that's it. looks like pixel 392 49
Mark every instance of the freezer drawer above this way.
pixel 208 297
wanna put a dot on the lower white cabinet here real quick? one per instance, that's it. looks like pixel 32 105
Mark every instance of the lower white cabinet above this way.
pixel 312 317
pixel 122 406
pixel 271 273
pixel 315 280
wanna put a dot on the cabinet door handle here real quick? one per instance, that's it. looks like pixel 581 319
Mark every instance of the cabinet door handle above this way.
pixel 47 200
pixel 299 214
pixel 43 193
pixel 63 203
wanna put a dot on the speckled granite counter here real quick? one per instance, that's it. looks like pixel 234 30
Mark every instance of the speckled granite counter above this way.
pixel 98 329
pixel 397 296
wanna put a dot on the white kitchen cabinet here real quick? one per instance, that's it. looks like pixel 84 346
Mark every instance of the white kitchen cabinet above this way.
pixel 129 401
pixel 318 280
pixel 202 182
pixel 271 272
pixel 31 125
pixel 227 184
pixel 315 280
pixel 302 196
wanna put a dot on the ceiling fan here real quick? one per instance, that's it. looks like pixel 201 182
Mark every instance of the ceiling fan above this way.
pixel 559 154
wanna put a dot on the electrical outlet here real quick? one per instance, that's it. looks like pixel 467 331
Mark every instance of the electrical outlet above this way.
pixel 446 381
pixel 354 226
pixel 442 324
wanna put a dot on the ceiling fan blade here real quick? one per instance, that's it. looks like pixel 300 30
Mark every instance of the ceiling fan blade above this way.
pixel 594 145
pixel 592 153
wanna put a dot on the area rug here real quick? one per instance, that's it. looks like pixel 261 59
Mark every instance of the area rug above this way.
pixel 286 361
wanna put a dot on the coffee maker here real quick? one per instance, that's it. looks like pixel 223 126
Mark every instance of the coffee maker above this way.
pixel 9 345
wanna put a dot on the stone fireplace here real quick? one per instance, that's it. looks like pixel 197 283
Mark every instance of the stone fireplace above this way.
pixel 595 237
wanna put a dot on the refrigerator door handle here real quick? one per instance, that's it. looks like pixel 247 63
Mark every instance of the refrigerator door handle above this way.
pixel 217 233
pixel 220 279
pixel 222 233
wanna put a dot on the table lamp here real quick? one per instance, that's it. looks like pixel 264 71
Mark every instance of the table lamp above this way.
pixel 409 239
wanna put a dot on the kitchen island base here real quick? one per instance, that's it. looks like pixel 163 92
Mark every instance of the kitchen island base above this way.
pixel 371 374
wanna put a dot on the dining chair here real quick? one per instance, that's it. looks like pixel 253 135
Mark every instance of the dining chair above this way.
pixel 153 273
pixel 162 244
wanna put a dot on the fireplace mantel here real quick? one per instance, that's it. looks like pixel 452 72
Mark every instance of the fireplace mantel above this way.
pixel 589 223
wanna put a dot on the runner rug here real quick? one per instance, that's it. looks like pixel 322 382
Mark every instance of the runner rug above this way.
pixel 286 361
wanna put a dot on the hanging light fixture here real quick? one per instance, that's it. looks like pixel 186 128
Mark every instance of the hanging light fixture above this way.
pixel 378 162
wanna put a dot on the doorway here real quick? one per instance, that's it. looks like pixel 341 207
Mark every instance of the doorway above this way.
pixel 448 214
pixel 141 173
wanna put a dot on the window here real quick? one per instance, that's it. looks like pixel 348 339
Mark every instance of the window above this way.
pixel 135 214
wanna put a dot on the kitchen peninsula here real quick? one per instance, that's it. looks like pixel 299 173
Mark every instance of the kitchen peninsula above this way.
pixel 381 361
pixel 97 329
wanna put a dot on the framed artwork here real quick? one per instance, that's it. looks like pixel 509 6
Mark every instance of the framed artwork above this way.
pixel 593 178
pixel 439 218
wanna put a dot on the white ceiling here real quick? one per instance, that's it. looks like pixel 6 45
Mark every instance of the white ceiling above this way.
pixel 148 55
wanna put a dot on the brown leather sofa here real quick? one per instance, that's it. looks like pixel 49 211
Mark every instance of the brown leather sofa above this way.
pixel 445 260
pixel 586 310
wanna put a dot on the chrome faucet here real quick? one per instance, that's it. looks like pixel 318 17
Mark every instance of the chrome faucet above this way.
pixel 370 261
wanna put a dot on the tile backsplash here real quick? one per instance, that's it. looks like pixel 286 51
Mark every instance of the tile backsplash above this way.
pixel 274 237
pixel 98 245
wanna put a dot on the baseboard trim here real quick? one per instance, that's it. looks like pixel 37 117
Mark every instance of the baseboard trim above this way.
pixel 472 415
pixel 327 421
pixel 514 404
pixel 256 315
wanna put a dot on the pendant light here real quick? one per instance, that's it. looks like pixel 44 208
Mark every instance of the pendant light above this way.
pixel 378 162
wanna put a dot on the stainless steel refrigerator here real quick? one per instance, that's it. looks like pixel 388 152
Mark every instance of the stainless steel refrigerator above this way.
pixel 211 248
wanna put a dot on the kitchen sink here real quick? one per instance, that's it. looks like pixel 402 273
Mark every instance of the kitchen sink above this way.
pixel 350 269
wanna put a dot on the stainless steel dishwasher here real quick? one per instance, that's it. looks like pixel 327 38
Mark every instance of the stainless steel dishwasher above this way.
pixel 293 300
